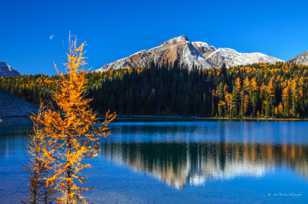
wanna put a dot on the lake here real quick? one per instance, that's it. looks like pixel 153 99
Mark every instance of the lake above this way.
pixel 183 162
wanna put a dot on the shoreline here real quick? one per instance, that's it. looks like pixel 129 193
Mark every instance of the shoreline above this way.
pixel 121 117
pixel 149 118
pixel 21 124
pixel 25 120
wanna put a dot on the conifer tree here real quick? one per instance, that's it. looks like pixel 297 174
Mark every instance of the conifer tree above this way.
pixel 40 163
pixel 70 131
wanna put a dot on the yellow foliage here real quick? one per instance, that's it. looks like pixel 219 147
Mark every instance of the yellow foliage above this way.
pixel 70 129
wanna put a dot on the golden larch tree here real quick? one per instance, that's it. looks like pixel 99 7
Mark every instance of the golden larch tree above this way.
pixel 40 163
pixel 71 130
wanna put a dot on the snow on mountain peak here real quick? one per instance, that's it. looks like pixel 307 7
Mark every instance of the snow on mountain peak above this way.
pixel 301 59
pixel 178 39
pixel 201 54
pixel 7 70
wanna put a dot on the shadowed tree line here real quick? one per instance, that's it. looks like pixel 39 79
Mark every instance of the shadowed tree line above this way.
pixel 259 90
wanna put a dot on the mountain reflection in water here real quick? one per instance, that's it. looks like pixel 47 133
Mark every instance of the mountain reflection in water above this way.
pixel 179 161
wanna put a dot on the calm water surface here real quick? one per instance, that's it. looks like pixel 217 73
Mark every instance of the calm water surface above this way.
pixel 184 162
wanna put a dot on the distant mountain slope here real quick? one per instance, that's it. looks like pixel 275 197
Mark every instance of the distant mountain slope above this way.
pixel 7 70
pixel 181 50
pixel 14 114
pixel 301 59
pixel 12 106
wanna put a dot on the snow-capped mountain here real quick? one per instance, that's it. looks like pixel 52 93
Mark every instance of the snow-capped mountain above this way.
pixel 301 59
pixel 7 70
pixel 183 51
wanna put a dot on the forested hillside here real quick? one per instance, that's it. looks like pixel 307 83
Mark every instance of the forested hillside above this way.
pixel 259 90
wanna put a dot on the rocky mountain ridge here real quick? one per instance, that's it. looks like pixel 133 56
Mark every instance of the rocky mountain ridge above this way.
pixel 182 50
pixel 301 59
pixel 7 70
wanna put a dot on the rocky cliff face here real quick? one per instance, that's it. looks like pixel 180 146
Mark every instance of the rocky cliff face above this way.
pixel 7 70
pixel 301 59
pixel 183 51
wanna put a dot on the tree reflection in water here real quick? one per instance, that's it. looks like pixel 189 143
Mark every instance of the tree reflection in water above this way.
pixel 184 155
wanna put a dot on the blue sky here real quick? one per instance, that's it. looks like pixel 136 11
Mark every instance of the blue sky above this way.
pixel 34 33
